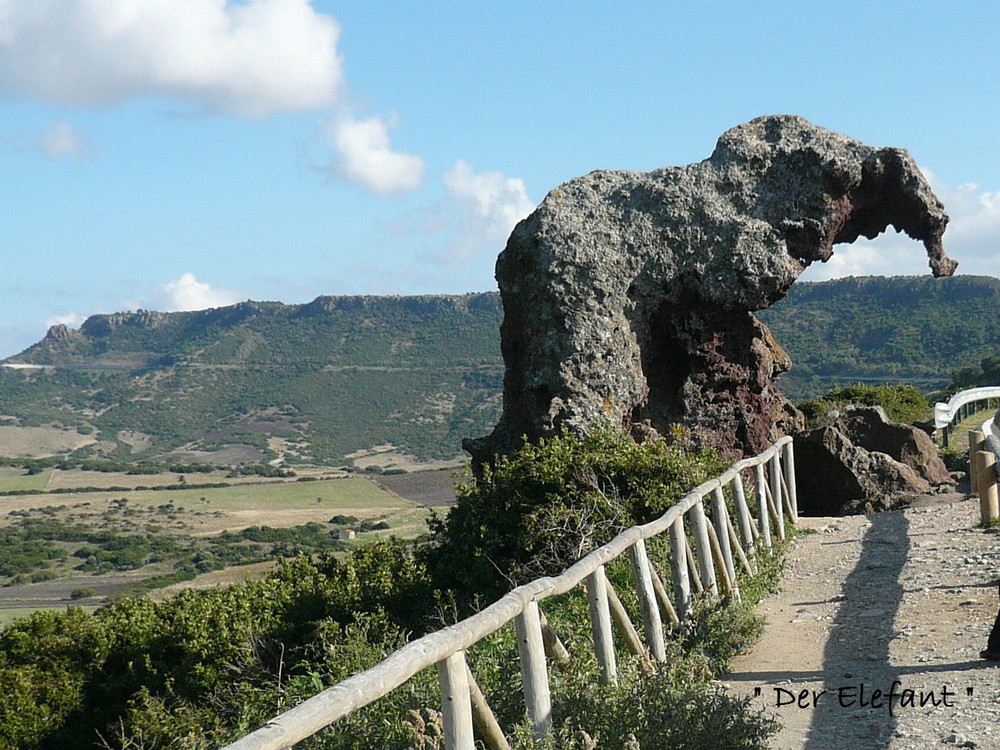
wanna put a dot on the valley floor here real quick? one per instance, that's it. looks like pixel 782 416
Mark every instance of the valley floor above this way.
pixel 118 511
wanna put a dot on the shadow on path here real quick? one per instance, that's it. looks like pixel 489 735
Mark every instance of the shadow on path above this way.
pixel 857 651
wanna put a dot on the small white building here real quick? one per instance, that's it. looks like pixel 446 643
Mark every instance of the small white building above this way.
pixel 346 534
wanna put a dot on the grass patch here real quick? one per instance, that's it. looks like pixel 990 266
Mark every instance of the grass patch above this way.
pixel 12 614
pixel 16 479
pixel 325 493
pixel 76 478
pixel 958 440
pixel 351 492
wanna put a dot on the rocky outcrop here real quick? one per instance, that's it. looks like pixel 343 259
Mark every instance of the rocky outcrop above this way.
pixel 864 461
pixel 835 477
pixel 871 428
pixel 629 296
pixel 104 324
pixel 60 332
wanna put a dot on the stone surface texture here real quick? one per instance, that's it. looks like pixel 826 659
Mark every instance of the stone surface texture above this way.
pixel 629 296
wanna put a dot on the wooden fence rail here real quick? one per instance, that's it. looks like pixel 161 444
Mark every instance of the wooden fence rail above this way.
pixel 710 566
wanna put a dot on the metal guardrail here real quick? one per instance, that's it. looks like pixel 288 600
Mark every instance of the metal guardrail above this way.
pixel 958 408
pixel 709 565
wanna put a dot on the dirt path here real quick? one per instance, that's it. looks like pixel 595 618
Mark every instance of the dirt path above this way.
pixel 905 598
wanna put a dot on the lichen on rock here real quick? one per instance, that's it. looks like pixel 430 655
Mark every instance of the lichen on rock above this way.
pixel 630 296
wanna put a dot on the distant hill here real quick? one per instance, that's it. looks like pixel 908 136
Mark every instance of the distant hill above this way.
pixel 313 383
pixel 915 329
pixel 342 378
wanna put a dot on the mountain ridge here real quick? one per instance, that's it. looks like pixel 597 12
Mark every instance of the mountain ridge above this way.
pixel 338 378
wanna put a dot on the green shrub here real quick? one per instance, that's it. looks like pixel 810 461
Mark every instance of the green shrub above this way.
pixel 670 706
pixel 902 403
pixel 553 502
pixel 46 663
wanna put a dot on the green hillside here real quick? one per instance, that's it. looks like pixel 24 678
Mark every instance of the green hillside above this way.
pixel 914 329
pixel 311 382
pixel 319 382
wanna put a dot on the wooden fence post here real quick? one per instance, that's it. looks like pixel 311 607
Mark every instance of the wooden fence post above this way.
pixel 722 573
pixel 774 472
pixel 456 702
pixel 554 647
pixel 620 616
pixel 746 522
pixel 679 568
pixel 977 441
pixel 534 676
pixel 789 466
pixel 484 720
pixel 600 622
pixel 720 519
pixel 651 622
pixel 663 597
pixel 705 566
pixel 762 516
pixel 774 508
pixel 975 472
pixel 740 554
pixel 986 471
pixel 692 567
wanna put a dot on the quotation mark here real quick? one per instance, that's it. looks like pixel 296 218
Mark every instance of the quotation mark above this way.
pixel 968 691
pixel 756 692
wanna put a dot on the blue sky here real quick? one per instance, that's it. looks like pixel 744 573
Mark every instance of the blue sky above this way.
pixel 176 154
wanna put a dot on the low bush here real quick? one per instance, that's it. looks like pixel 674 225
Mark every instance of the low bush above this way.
pixel 553 502
pixel 668 706
pixel 902 403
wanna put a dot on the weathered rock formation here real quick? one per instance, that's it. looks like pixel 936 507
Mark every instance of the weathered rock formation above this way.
pixel 870 428
pixel 864 461
pixel 629 296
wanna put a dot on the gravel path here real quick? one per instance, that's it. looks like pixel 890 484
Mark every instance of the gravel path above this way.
pixel 905 598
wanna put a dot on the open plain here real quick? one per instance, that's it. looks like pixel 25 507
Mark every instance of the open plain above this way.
pixel 83 537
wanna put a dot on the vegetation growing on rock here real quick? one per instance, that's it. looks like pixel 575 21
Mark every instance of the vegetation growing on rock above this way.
pixel 902 403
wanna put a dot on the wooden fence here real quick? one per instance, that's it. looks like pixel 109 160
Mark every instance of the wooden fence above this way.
pixel 984 466
pixel 709 565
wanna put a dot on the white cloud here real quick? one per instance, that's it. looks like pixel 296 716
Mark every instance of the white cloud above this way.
pixel 70 319
pixel 365 157
pixel 187 293
pixel 972 238
pixel 485 207
pixel 249 58
pixel 62 140
pixel 254 59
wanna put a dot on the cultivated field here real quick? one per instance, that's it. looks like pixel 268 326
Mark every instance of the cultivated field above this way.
pixel 39 441
pixel 82 548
